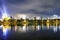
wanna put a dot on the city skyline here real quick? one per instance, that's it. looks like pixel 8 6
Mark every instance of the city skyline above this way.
pixel 44 8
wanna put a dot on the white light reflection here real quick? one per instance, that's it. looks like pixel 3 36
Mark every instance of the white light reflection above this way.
pixel 15 28
pixel 0 27
pixel 38 27
pixel 24 28
pixel 5 29
pixel 59 27
pixel 55 29
pixel 5 32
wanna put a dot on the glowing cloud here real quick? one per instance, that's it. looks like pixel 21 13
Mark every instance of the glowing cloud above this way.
pixel 22 16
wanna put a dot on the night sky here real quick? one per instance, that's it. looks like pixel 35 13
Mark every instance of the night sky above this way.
pixel 31 7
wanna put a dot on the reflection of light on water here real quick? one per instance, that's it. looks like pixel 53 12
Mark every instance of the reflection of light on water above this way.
pixel 59 27
pixel 0 27
pixel 28 28
pixel 24 28
pixel 6 29
pixel 20 28
pixel 51 27
pixel 5 32
pixel 38 27
pixel 15 28
pixel 47 25
pixel 55 29
pixel 33 27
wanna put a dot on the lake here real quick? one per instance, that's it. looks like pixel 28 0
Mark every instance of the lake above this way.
pixel 29 32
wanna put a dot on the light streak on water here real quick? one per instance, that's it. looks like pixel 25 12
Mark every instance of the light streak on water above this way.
pixel 24 28
pixel 15 28
pixel 0 27
pixel 5 29
pixel 55 29
pixel 5 32
pixel 38 27
pixel 30 28
pixel 59 27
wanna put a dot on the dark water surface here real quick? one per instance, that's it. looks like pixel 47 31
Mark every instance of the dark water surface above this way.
pixel 29 33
